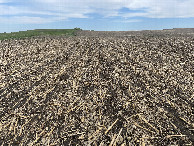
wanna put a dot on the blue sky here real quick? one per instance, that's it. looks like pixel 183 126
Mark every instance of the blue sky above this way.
pixel 18 15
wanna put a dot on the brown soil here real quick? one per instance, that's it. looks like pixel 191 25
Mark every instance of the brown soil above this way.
pixel 98 89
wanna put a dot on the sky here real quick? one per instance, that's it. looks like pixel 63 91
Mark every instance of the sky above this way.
pixel 103 15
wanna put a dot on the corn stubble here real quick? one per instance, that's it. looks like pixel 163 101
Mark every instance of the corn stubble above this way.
pixel 97 90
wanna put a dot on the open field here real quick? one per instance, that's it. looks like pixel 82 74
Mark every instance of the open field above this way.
pixel 38 32
pixel 98 88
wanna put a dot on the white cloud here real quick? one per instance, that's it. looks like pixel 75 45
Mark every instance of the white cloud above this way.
pixel 24 20
pixel 55 10
pixel 4 1
pixel 153 8
pixel 128 21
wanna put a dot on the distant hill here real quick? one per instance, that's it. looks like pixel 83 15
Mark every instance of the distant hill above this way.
pixel 80 32
pixel 181 30
pixel 39 32
pixel 164 32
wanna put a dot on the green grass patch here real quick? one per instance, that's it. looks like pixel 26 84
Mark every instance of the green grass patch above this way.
pixel 38 32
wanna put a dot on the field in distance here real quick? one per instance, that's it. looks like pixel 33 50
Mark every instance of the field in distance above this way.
pixel 38 32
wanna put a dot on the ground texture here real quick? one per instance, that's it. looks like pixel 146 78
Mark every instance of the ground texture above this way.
pixel 97 90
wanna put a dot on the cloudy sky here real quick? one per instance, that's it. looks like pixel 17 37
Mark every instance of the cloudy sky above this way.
pixel 16 15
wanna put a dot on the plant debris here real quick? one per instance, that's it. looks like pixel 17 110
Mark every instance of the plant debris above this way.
pixel 97 89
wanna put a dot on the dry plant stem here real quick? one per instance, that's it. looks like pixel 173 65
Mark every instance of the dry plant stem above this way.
pixel 117 137
pixel 143 127
pixel 37 137
pixel 47 92
pixel 94 134
pixel 142 142
pixel 169 136
pixel 148 123
pixel 123 144
pixel 109 128
pixel 113 140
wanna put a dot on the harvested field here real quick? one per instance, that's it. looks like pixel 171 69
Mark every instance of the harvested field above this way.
pixel 97 90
